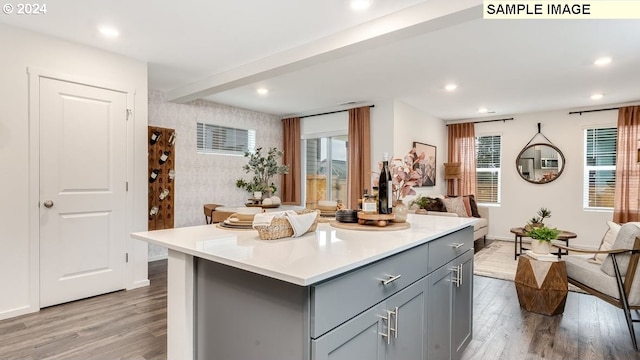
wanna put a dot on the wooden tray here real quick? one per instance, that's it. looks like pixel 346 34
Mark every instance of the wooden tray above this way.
pixel 273 206
pixel 375 219
pixel 353 226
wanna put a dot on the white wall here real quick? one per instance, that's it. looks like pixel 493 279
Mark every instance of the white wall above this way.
pixel 207 178
pixel 521 199
pixel 382 129
pixel 22 49
pixel 411 124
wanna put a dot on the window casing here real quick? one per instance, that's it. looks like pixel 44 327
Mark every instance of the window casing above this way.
pixel 488 160
pixel 599 168
pixel 224 140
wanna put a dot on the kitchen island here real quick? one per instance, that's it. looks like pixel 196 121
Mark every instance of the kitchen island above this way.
pixel 331 294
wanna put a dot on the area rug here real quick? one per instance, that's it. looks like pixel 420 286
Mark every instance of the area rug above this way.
pixel 496 261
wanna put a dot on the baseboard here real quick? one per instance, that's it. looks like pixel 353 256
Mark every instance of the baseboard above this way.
pixel 139 284
pixel 18 311
pixel 501 238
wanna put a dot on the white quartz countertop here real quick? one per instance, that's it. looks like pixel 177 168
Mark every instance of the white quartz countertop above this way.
pixel 306 260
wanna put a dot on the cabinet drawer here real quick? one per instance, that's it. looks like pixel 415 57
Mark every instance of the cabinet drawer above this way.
pixel 341 298
pixel 447 248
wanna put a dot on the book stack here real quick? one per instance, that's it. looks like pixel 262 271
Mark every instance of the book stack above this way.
pixel 541 257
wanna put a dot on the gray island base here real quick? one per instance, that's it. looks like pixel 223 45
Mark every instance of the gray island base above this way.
pixel 413 304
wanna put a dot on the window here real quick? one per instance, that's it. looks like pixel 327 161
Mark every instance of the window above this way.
pixel 217 139
pixel 599 167
pixel 326 169
pixel 488 169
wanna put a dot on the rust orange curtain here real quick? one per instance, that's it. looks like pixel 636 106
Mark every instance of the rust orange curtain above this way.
pixel 462 149
pixel 291 185
pixel 359 149
pixel 627 190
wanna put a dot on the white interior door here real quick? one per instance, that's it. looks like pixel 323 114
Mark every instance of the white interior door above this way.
pixel 82 191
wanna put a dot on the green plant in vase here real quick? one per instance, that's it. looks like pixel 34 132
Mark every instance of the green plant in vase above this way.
pixel 263 169
pixel 541 238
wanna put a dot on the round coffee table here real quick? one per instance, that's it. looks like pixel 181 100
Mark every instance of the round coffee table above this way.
pixel 520 232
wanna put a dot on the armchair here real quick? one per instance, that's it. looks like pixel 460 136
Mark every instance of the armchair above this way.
pixel 616 281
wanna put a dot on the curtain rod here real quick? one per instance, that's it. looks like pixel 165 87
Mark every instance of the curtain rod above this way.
pixel 485 121
pixel 595 110
pixel 330 112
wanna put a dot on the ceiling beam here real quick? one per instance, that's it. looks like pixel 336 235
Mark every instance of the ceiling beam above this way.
pixel 420 19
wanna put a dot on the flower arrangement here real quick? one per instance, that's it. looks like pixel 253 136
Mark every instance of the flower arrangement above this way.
pixel 263 168
pixel 405 174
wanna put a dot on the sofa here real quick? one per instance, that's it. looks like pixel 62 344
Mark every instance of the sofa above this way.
pixel 466 208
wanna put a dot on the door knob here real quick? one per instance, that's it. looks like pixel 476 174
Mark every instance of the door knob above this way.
pixel 48 204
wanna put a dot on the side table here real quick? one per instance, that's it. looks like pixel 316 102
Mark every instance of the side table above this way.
pixel 542 286
pixel 520 232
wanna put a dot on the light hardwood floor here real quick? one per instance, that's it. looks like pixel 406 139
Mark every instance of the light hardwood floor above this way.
pixel 132 325
pixel 128 325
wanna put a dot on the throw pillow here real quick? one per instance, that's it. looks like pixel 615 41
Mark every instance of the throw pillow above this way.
pixel 607 241
pixel 455 205
pixel 625 239
pixel 474 206
pixel 467 205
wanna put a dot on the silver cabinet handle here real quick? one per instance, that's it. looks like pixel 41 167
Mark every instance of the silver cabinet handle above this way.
pixel 461 273
pixel 456 276
pixel 391 279
pixel 387 335
pixel 456 245
pixel 48 203
pixel 395 329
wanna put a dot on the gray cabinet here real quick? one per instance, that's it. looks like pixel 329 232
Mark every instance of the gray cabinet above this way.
pixel 405 306
pixel 392 330
pixel 450 308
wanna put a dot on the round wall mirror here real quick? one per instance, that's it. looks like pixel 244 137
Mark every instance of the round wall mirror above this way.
pixel 540 163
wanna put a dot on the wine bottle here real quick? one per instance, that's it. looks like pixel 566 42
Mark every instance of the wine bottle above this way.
pixel 154 137
pixel 163 158
pixel 385 188
pixel 154 175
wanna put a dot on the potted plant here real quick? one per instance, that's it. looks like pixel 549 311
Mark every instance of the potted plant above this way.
pixel 538 220
pixel 544 213
pixel 421 202
pixel 541 238
pixel 263 169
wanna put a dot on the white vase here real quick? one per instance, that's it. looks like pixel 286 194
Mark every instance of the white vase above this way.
pixel 540 247
pixel 400 212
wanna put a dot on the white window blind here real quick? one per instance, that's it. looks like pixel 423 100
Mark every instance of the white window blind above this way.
pixel 599 168
pixel 217 139
pixel 488 160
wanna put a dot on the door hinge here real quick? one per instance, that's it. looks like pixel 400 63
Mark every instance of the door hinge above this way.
pixel 126 257
pixel 129 113
pixel 126 186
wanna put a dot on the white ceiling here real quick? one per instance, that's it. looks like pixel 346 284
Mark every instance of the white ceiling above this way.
pixel 315 55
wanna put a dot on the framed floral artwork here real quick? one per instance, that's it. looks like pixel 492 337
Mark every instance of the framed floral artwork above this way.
pixel 425 163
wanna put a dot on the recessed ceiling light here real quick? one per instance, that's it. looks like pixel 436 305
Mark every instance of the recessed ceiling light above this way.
pixel 262 91
pixel 482 110
pixel 360 5
pixel 109 31
pixel 603 61
pixel 597 96
pixel 451 87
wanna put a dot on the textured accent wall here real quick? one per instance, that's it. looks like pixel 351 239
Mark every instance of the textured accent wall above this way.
pixel 206 178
